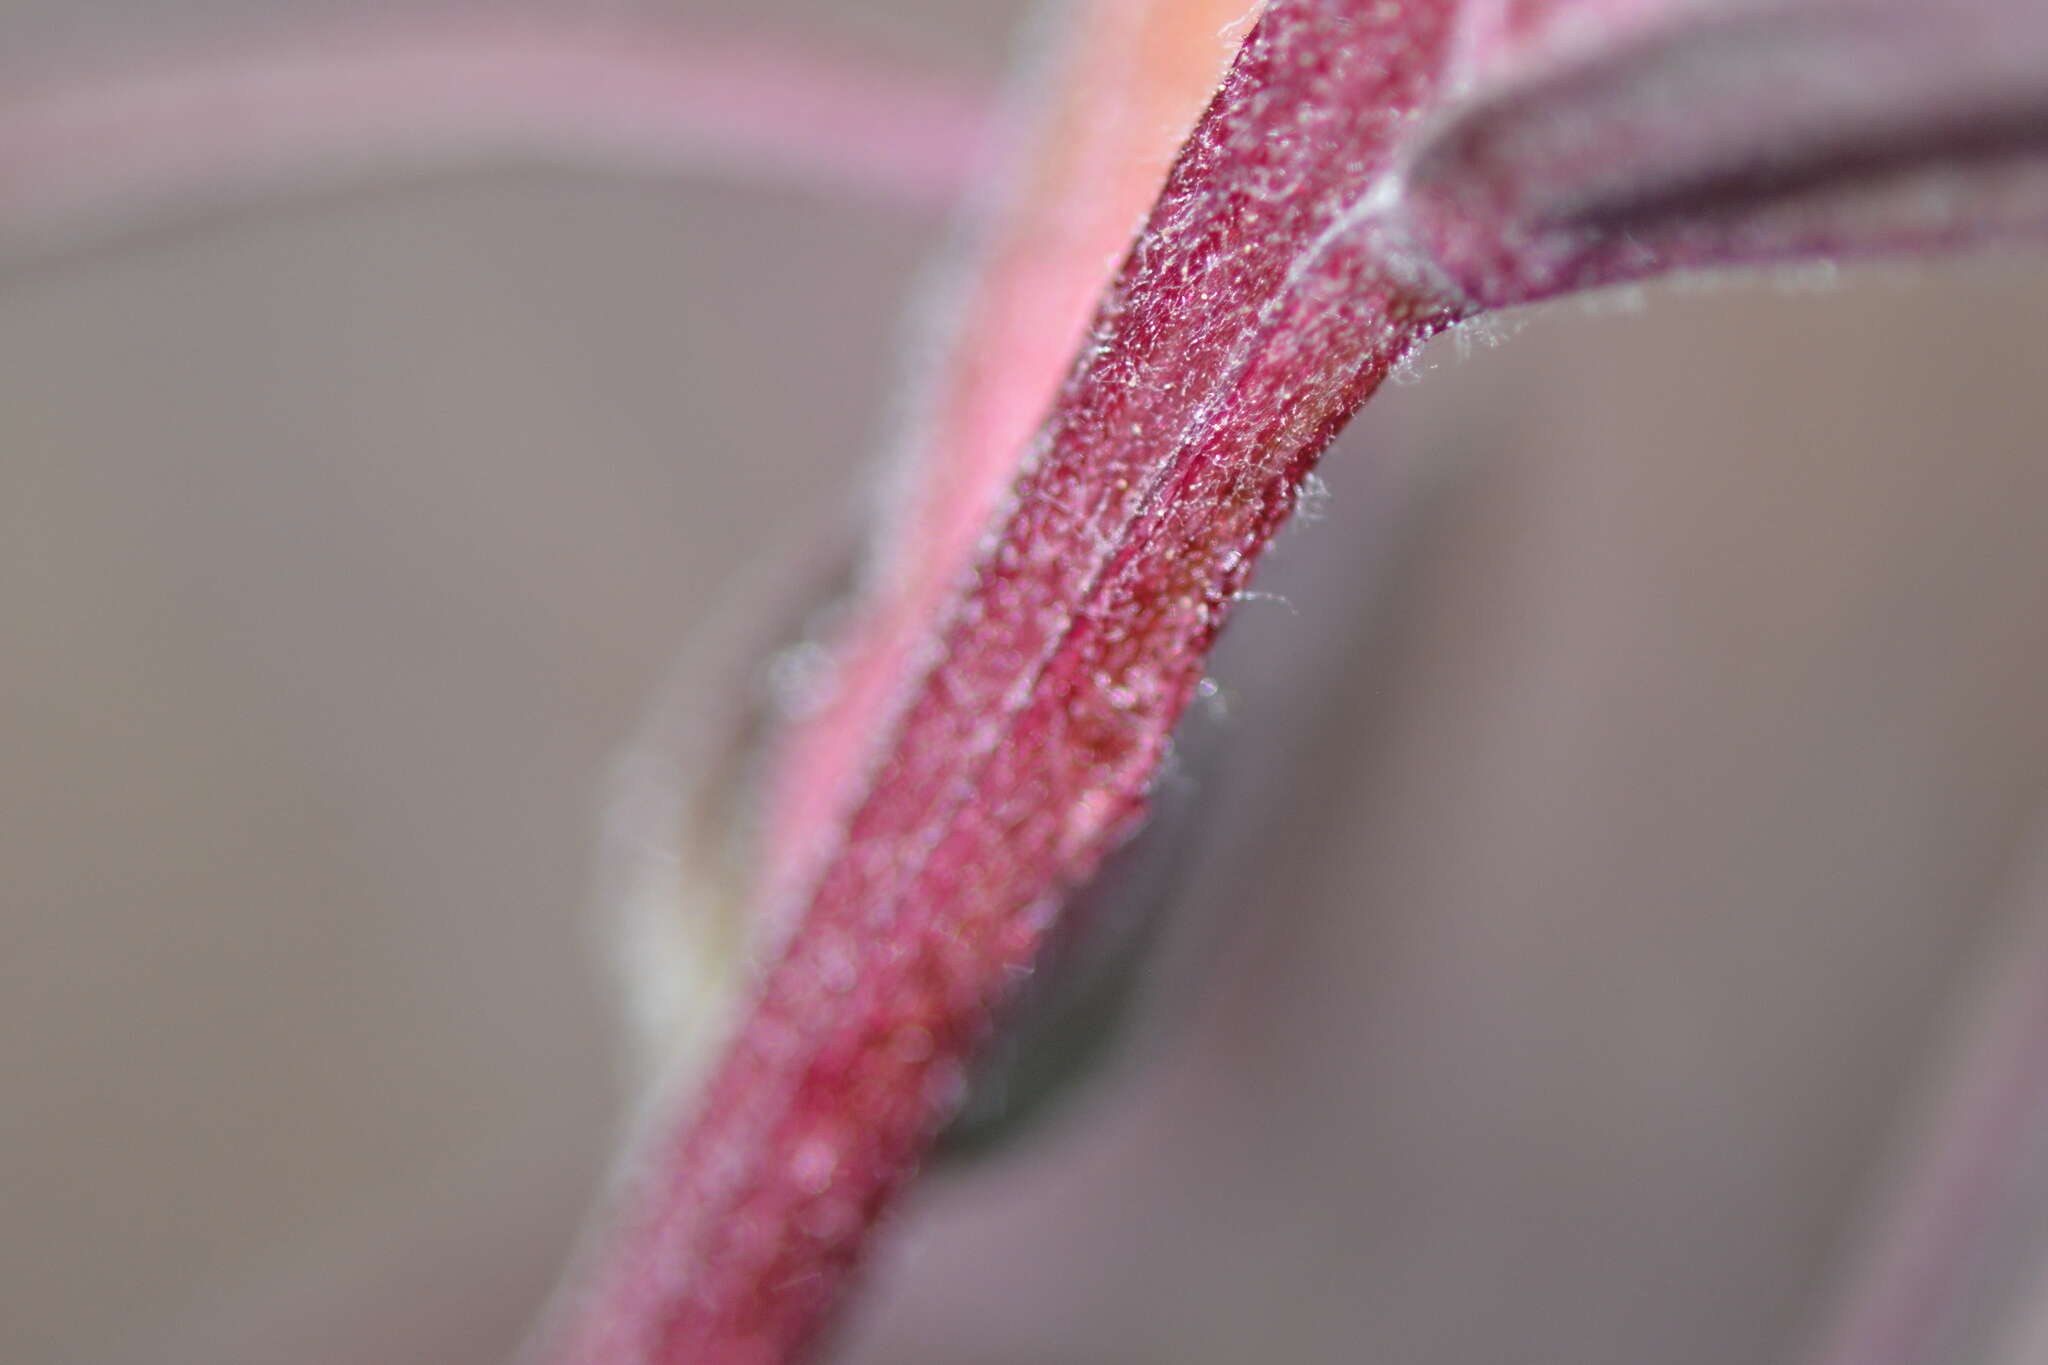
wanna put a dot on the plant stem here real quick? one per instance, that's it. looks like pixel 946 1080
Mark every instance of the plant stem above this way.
pixel 1256 312
pixel 1926 1287
pixel 93 154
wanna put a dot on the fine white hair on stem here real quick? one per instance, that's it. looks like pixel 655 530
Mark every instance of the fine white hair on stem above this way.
pixel 91 154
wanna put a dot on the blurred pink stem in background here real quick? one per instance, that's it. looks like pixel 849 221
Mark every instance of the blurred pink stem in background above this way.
pixel 1952 1268
pixel 91 154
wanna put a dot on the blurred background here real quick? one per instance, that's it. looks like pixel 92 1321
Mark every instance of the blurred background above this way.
pixel 1661 733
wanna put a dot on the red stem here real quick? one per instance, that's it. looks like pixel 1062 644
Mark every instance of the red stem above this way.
pixel 1702 136
pixel 1312 233
pixel 1257 311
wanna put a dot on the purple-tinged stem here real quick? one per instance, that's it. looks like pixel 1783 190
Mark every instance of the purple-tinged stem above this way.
pixel 1252 317
pixel 1702 135
pixel 1352 190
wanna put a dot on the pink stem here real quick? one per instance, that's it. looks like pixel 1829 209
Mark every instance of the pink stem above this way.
pixel 1252 318
pixel 1709 135
pixel 1317 227
pixel 1973 1160
pixel 91 153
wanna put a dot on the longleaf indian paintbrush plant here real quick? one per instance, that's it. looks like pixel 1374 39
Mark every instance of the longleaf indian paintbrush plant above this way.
pixel 1110 435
